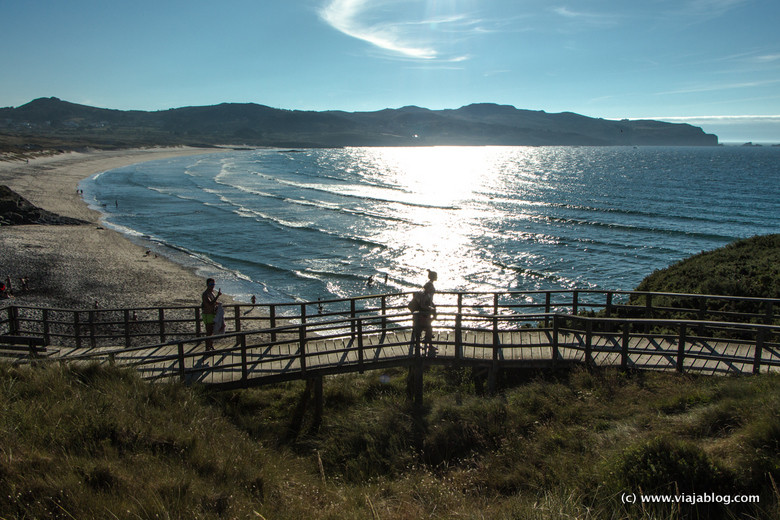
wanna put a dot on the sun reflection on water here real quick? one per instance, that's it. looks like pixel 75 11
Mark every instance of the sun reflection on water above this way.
pixel 451 188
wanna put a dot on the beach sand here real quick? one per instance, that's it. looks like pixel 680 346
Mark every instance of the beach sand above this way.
pixel 86 265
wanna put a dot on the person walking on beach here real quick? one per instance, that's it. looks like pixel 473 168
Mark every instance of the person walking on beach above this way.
pixel 209 305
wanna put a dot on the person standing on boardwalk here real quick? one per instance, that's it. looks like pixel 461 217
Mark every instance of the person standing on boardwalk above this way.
pixel 432 277
pixel 422 320
pixel 209 307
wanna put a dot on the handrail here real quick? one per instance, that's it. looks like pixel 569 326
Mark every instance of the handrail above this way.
pixel 135 326
pixel 298 336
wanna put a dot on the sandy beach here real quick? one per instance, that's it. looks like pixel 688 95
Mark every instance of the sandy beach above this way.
pixel 80 266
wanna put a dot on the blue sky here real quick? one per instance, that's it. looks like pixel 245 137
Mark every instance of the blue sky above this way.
pixel 714 63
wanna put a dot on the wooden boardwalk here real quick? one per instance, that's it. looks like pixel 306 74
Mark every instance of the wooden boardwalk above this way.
pixel 487 331
pixel 232 365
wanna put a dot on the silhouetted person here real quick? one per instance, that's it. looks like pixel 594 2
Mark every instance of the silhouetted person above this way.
pixel 209 306
pixel 422 320
pixel 432 277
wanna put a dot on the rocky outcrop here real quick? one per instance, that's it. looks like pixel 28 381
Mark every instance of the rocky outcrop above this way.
pixel 16 210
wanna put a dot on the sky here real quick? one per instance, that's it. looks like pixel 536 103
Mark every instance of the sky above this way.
pixel 711 63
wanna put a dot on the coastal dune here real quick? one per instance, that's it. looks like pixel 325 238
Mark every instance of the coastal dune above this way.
pixel 86 265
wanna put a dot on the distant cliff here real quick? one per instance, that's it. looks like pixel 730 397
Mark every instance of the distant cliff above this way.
pixel 257 125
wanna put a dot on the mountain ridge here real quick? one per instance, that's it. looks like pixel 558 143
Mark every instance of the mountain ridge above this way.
pixel 260 125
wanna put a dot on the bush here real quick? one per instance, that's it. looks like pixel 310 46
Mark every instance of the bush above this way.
pixel 665 466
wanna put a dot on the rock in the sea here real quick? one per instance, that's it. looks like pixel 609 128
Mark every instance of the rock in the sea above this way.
pixel 16 210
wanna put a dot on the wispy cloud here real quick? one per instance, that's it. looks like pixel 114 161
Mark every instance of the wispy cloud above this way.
pixel 718 87
pixel 394 27
pixel 709 8
pixel 767 58
pixel 351 17
pixel 587 18
pixel 733 118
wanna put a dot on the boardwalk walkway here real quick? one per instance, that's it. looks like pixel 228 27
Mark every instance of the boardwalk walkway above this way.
pixel 492 335
pixel 237 362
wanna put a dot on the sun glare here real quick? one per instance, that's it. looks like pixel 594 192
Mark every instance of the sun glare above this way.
pixel 442 187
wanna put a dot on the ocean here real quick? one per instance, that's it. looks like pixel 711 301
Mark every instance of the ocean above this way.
pixel 300 225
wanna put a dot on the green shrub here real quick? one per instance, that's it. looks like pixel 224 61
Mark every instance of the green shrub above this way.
pixel 667 466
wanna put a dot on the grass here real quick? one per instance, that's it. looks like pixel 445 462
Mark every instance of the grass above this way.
pixel 89 442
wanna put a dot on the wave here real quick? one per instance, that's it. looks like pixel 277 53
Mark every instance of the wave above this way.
pixel 323 205
pixel 546 230
pixel 615 226
pixel 698 217
pixel 323 188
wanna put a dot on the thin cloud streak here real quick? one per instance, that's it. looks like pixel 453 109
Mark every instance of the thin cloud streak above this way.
pixel 713 88
pixel 346 16
pixel 739 118
pixel 404 35
pixel 592 19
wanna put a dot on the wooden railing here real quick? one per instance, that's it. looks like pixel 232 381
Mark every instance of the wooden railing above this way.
pixel 295 351
pixel 150 325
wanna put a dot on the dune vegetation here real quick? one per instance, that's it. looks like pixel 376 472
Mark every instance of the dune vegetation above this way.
pixel 98 442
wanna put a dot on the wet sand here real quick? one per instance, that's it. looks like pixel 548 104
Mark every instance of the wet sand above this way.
pixel 80 266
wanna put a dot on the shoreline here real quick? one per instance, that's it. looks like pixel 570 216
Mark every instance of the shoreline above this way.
pixel 88 265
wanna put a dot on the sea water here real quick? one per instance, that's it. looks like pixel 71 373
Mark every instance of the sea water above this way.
pixel 300 225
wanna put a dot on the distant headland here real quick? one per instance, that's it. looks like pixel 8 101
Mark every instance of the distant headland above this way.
pixel 53 123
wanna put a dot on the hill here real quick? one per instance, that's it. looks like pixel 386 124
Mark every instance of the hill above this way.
pixel 48 121
pixel 749 267
pixel 746 268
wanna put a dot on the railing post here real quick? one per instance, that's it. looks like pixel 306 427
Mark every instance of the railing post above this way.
pixel 46 331
pixel 575 302
pixel 237 314
pixel 608 307
pixel 352 317
pixel 589 344
pixel 92 339
pixel 681 348
pixel 648 311
pixel 197 322
pixel 460 303
pixel 244 367
pixel 161 319
pixel 495 337
pixel 624 345
pixel 383 304
pixel 360 345
pixel 547 299
pixel 458 336
pixel 302 343
pixel 182 371
pixel 76 331
pixel 555 340
pixel 272 316
pixel 127 327
pixel 13 320
pixel 758 354
pixel 416 337
pixel 702 316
